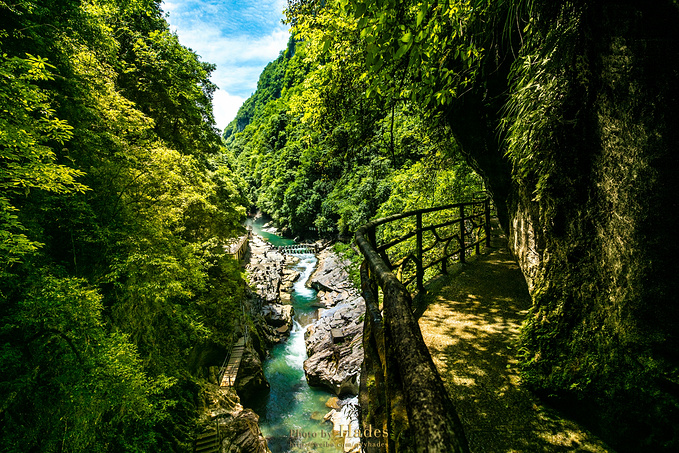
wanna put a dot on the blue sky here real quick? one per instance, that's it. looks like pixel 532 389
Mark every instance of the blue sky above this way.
pixel 240 37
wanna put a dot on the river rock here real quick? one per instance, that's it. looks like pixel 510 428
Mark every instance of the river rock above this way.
pixel 333 403
pixel 328 417
pixel 328 299
pixel 250 381
pixel 330 274
pixel 286 287
pixel 278 315
pixel 290 275
pixel 285 298
pixel 335 360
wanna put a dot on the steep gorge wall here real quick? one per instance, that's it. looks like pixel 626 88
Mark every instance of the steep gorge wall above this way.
pixel 591 215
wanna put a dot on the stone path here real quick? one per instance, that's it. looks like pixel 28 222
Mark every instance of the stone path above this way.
pixel 471 325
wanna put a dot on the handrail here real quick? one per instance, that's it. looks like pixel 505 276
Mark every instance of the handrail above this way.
pixel 401 390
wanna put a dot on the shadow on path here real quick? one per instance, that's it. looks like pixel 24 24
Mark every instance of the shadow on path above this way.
pixel 471 325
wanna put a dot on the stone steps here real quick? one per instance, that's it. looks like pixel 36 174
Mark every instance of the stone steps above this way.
pixel 207 442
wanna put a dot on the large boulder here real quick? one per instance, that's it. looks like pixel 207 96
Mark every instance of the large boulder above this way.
pixel 250 381
pixel 335 347
pixel 330 274
pixel 278 315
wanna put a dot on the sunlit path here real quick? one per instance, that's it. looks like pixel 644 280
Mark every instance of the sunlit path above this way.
pixel 471 326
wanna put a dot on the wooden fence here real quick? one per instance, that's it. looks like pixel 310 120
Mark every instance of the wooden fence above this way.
pixel 401 391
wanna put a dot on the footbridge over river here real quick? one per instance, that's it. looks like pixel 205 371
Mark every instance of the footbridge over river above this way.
pixel 231 365
pixel 299 249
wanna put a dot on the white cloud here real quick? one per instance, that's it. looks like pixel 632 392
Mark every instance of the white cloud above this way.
pixel 240 80
pixel 226 107
pixel 215 48
pixel 239 37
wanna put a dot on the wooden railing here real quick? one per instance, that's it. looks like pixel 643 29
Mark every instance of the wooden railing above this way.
pixel 401 391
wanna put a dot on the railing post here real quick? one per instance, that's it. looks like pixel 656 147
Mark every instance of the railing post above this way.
pixel 477 229
pixel 486 206
pixel 419 273
pixel 462 235
pixel 444 263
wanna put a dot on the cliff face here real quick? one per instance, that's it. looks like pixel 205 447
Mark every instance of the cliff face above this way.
pixel 591 208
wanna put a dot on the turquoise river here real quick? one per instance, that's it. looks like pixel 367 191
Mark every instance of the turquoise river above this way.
pixel 291 415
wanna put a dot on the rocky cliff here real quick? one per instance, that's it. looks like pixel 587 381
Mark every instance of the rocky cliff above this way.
pixel 586 184
pixel 238 429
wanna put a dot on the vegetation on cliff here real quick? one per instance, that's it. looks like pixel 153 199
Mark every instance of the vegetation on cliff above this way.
pixel 115 201
pixel 320 156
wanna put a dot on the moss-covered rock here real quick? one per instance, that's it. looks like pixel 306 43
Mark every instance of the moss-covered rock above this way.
pixel 592 121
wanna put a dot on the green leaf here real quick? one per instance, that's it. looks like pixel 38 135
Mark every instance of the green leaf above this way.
pixel 420 17
pixel 360 10
pixel 362 22
pixel 402 50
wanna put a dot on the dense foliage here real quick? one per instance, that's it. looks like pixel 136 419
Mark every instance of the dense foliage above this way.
pixel 319 155
pixel 115 201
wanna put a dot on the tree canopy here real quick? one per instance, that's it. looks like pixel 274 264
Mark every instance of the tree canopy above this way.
pixel 116 200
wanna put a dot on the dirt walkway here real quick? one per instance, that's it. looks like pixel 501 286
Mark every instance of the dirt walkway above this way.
pixel 471 325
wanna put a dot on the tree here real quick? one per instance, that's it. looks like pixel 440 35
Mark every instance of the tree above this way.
pixel 116 203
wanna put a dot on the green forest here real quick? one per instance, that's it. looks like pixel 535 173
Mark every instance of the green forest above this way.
pixel 118 194
pixel 116 199
pixel 322 158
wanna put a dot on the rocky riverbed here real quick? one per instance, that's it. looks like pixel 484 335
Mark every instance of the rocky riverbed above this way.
pixel 335 344
pixel 333 340
pixel 270 276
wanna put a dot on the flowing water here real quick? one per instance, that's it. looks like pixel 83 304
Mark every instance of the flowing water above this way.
pixel 291 415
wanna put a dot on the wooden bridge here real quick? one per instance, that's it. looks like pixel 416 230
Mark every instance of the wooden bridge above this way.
pixel 298 249
pixel 231 364
pixel 405 387
pixel 209 441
